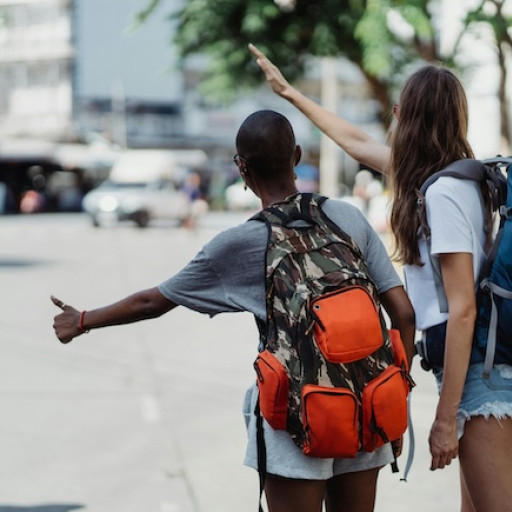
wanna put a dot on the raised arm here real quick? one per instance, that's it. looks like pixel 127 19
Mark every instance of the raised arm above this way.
pixel 357 143
pixel 142 305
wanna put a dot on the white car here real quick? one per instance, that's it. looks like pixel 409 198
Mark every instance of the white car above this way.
pixel 143 185
pixel 138 202
pixel 238 198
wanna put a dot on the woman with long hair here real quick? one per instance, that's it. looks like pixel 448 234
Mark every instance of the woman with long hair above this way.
pixel 473 419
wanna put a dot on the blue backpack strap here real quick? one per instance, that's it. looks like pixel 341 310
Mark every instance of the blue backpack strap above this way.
pixel 412 444
pixel 493 279
pixel 490 350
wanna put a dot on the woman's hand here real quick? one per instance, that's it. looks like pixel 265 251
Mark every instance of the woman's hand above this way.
pixel 357 143
pixel 444 443
pixel 67 323
pixel 275 79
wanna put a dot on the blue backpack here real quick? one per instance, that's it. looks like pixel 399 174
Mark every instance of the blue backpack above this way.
pixel 493 329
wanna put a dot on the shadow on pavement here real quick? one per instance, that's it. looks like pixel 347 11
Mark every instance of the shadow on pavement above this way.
pixel 20 262
pixel 40 508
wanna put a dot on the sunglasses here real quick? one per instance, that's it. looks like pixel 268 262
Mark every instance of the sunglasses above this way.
pixel 239 160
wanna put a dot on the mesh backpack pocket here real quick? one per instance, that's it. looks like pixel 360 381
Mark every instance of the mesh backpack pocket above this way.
pixel 273 385
pixel 330 418
pixel 384 405
pixel 347 325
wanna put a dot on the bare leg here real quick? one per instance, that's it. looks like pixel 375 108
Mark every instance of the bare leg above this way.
pixel 291 495
pixel 466 505
pixel 352 492
pixel 486 461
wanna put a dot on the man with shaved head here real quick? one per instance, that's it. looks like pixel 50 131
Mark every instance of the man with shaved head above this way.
pixel 227 275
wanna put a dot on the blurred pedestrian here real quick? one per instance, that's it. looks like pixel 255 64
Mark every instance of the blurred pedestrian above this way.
pixel 198 207
pixel 474 416
pixel 227 276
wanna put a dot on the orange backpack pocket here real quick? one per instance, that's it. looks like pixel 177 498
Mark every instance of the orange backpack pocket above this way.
pixel 400 355
pixel 400 358
pixel 330 417
pixel 273 385
pixel 347 325
pixel 384 404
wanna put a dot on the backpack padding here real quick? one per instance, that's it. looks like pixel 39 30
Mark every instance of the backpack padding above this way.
pixel 466 169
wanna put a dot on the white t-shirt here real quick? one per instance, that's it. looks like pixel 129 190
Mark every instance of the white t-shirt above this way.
pixel 455 215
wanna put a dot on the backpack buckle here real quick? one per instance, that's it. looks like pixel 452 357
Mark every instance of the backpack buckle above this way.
pixel 505 211
pixel 484 285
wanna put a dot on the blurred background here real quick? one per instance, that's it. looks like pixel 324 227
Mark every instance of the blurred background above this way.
pixel 127 110
pixel 83 81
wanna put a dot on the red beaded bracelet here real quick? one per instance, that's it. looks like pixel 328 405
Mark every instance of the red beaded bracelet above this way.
pixel 81 323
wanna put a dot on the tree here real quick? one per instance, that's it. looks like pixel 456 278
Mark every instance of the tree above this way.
pixel 489 14
pixel 362 31
pixel 384 38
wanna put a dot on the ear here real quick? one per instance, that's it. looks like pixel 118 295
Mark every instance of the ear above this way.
pixel 298 154
pixel 243 166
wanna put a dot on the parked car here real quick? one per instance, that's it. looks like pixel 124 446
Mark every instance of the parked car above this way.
pixel 138 202
pixel 238 198
pixel 143 185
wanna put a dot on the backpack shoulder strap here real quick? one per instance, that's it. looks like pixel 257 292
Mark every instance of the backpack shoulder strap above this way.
pixel 469 169
pixel 466 169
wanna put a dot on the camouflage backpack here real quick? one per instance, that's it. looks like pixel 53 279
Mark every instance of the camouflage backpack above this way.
pixel 329 371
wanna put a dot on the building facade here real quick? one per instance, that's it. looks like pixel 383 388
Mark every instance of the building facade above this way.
pixel 36 68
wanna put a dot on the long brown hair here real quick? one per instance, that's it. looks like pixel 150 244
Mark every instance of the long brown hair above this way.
pixel 430 134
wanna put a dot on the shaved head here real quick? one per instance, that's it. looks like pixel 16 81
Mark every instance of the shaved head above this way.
pixel 266 140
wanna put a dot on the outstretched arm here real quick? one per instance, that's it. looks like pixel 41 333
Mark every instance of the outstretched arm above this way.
pixel 140 306
pixel 357 143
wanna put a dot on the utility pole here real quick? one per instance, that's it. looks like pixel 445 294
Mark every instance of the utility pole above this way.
pixel 119 114
pixel 329 151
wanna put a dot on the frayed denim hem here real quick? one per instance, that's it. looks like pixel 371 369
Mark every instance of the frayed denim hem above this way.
pixel 498 408
pixel 489 398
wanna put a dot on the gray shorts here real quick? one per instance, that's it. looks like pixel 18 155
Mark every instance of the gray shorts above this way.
pixel 490 397
pixel 285 459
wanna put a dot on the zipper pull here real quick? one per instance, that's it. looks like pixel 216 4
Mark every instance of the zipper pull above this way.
pixel 310 328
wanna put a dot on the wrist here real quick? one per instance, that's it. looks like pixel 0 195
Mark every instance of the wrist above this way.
pixel 447 414
pixel 289 93
pixel 81 325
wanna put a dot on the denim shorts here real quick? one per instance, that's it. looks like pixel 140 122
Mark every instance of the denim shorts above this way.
pixel 490 397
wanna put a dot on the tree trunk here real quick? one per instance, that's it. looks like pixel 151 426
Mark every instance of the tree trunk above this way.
pixel 381 93
pixel 502 94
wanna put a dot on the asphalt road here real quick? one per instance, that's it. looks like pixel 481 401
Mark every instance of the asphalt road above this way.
pixel 140 418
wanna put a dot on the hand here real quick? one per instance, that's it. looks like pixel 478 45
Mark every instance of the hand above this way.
pixel 397 446
pixel 67 323
pixel 275 79
pixel 444 443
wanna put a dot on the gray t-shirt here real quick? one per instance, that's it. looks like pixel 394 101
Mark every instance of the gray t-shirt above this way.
pixel 228 274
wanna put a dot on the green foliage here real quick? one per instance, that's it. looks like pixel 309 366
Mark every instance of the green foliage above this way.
pixel 375 38
pixel 490 13
pixel 357 29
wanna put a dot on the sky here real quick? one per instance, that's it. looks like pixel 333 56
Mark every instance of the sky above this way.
pixel 107 51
